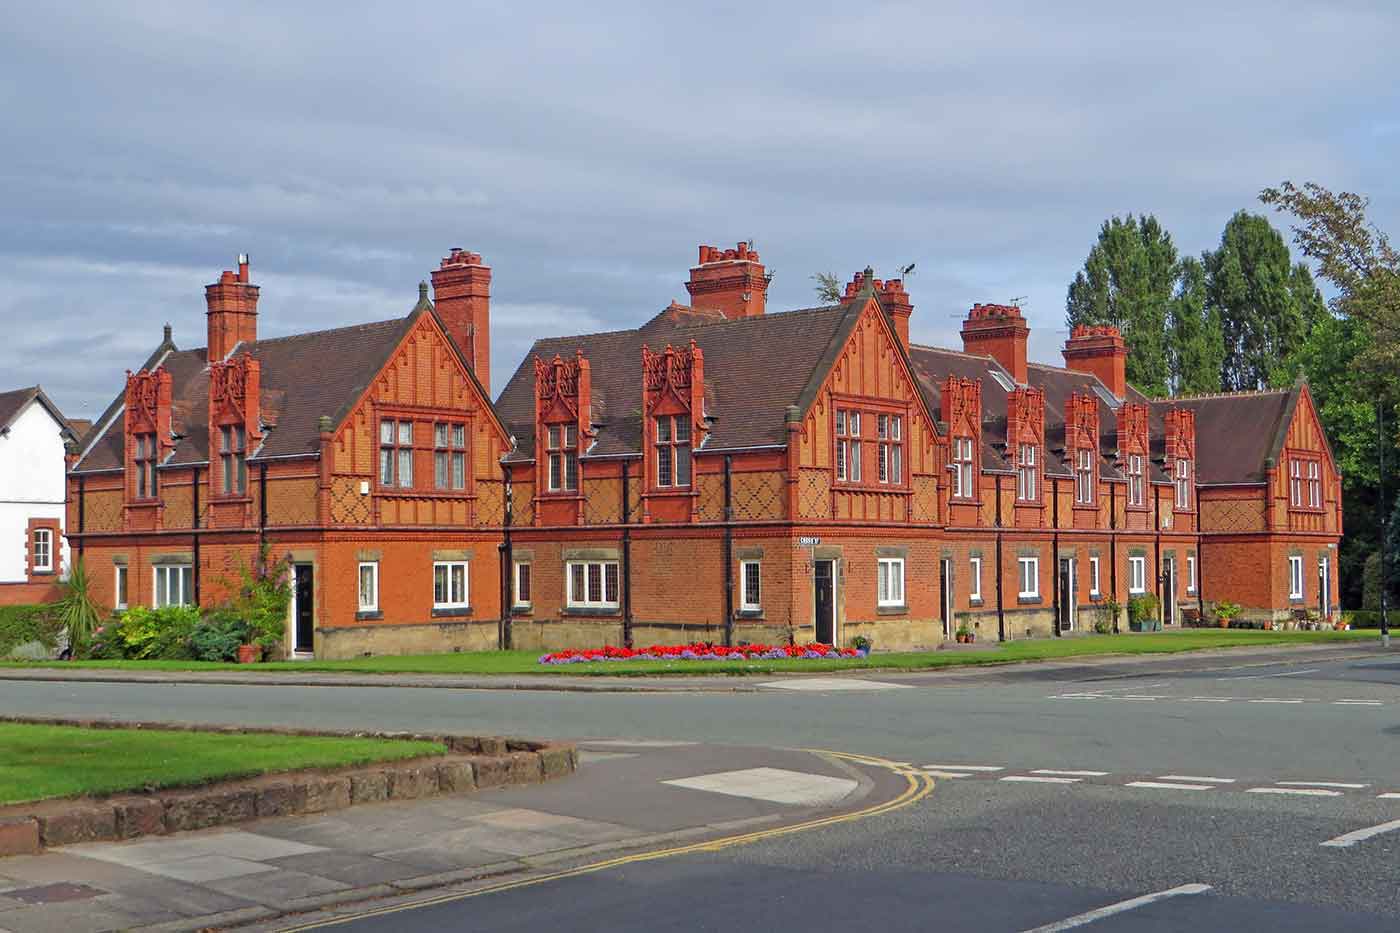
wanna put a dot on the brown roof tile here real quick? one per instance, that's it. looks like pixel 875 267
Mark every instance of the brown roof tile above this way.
pixel 1235 433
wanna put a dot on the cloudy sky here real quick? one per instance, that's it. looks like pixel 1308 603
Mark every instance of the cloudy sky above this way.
pixel 586 149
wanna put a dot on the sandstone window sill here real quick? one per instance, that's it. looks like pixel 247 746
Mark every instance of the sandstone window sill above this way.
pixel 369 616
pixel 455 612
pixel 591 613
pixel 1028 600
pixel 891 610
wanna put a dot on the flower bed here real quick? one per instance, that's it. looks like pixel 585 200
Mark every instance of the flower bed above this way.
pixel 699 651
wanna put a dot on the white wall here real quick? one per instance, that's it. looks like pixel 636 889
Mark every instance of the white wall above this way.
pixel 31 484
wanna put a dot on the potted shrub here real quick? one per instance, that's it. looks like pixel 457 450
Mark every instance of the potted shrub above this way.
pixel 965 634
pixel 1142 613
pixel 863 643
pixel 1225 612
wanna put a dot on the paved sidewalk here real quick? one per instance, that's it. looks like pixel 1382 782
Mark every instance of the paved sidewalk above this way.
pixel 714 683
pixel 627 795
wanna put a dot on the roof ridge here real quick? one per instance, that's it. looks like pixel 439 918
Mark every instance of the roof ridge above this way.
pixel 971 356
pixel 693 325
pixel 1244 393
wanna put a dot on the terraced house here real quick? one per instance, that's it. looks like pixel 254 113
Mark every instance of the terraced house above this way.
pixel 718 472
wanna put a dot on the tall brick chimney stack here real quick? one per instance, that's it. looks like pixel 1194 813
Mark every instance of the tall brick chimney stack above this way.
pixel 1099 351
pixel 893 298
pixel 233 311
pixel 462 296
pixel 731 281
pixel 1000 332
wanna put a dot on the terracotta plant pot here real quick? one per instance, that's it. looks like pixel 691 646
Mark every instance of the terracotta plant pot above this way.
pixel 1224 623
pixel 249 654
pixel 1268 626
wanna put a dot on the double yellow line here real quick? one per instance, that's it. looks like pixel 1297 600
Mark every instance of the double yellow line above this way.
pixel 919 786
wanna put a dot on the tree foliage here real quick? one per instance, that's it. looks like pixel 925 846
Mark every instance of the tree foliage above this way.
pixel 1195 343
pixel 828 288
pixel 1129 281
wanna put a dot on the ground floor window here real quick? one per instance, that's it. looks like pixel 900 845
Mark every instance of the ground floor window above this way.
pixel 119 602
pixel 174 585
pixel 450 584
pixel 43 550
pixel 593 584
pixel 369 586
pixel 1030 577
pixel 1137 574
pixel 890 587
pixel 974 585
pixel 1093 576
pixel 750 573
pixel 1190 573
pixel 1295 577
pixel 522 584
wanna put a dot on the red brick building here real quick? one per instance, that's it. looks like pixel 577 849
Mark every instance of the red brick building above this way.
pixel 719 472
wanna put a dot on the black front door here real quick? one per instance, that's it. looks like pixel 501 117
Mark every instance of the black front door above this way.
pixel 824 579
pixel 1066 585
pixel 305 608
pixel 945 582
pixel 1168 592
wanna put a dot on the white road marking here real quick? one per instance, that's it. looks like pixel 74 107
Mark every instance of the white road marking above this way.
pixel 1391 796
pixel 965 767
pixel 773 784
pixel 1311 670
pixel 1192 778
pixel 1071 773
pixel 1358 703
pixel 833 683
pixel 1135 696
pixel 1079 696
pixel 1208 699
pixel 1350 839
pixel 1092 916
pixel 1320 784
pixel 1162 785
pixel 1031 779
pixel 1298 791
pixel 1272 700
pixel 946 774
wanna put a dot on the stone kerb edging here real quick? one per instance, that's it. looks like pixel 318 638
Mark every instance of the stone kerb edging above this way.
pixel 471 763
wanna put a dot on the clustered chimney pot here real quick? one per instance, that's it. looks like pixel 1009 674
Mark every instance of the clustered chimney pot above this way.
pixel 731 281
pixel 998 331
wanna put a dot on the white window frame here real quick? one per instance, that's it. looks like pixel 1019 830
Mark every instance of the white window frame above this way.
pixel 848 451
pixel 448 567
pixel 1084 477
pixel 962 468
pixel 1314 483
pixel 1029 570
pixel 1135 485
pixel 747 567
pixel 603 602
pixel 1191 573
pixel 889 582
pixel 1295 576
pixel 561 442
pixel 890 461
pixel 1027 473
pixel 372 605
pixel 974 573
pixel 1094 575
pixel 1183 485
pixel 1137 574
pixel 516 601
pixel 45 535
pixel 121 583
pixel 1295 482
pixel 182 576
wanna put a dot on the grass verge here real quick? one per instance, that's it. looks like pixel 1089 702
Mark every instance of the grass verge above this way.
pixel 526 662
pixel 39 762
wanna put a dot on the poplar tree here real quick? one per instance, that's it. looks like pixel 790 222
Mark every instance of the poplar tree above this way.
pixel 1195 343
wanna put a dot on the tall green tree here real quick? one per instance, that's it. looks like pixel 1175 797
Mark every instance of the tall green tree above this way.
pixel 1195 342
pixel 1265 303
pixel 1129 281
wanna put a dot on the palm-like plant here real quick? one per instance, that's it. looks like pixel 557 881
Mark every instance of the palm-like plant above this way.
pixel 77 610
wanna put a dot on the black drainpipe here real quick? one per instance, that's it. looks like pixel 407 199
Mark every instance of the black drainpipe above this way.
pixel 194 522
pixel 1113 548
pixel 507 561
pixel 262 508
pixel 1055 550
pixel 1001 610
pixel 1200 574
pixel 82 515
pixel 627 558
pixel 728 552
pixel 1157 553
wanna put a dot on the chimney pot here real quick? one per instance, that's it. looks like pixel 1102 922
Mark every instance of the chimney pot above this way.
pixel 730 281
pixel 1099 350
pixel 232 311
pixel 462 296
pixel 998 331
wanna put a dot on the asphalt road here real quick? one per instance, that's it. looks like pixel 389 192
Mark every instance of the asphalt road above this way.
pixel 1215 771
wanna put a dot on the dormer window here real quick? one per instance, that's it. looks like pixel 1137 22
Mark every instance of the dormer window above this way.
pixel 848 446
pixel 561 441
pixel 233 459
pixel 890 429
pixel 672 450
pixel 145 459
pixel 1182 480
pixel 1084 477
pixel 450 456
pixel 962 468
pixel 1026 473
pixel 1135 488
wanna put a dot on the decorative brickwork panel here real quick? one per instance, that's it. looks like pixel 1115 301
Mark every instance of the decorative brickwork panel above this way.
pixel 179 506
pixel 757 496
pixel 348 507
pixel 491 502
pixel 291 501
pixel 602 504
pixel 814 494
pixel 709 502
pixel 522 503
pixel 102 510
pixel 925 504
pixel 1232 514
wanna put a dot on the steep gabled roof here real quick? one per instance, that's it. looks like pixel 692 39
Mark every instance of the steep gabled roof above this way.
pixel 1236 433
pixel 754 369
pixel 13 402
pixel 302 376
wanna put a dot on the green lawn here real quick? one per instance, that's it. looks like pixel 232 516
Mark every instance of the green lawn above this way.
pixel 39 761
pixel 526 662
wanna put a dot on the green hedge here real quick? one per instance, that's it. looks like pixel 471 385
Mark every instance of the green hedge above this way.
pixel 1371 618
pixel 23 624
